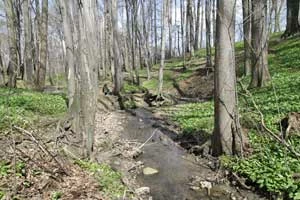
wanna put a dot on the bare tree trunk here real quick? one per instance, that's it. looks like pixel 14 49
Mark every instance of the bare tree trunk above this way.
pixel 41 70
pixel 88 73
pixel 12 69
pixel 155 32
pixel 118 68
pixel 226 139
pixel 260 71
pixel 28 42
pixel 202 25
pixel 2 70
pixel 208 33
pixel 292 18
pixel 278 10
pixel 213 12
pixel 134 28
pixel 183 20
pixel 71 63
pixel 164 21
pixel 247 36
pixel 145 42
pixel 129 36
pixel 192 31
pixel 196 44
pixel 170 27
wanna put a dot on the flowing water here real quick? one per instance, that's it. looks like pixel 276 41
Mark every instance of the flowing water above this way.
pixel 175 166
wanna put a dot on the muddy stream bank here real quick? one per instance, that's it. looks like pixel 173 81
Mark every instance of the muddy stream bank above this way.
pixel 179 174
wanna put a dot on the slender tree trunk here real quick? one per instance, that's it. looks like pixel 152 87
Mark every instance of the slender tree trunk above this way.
pixel 155 32
pixel 208 33
pixel 226 139
pixel 162 60
pixel 134 28
pixel 247 36
pixel 202 25
pixel 292 18
pixel 13 46
pixel 196 44
pixel 277 15
pixel 213 12
pixel 28 55
pixel 118 83
pixel 170 27
pixel 183 20
pixel 41 71
pixel 260 71
pixel 129 36
pixel 192 31
pixel 2 70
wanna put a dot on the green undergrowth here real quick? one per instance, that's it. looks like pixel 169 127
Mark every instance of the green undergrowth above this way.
pixel 22 107
pixel 109 180
pixel 271 166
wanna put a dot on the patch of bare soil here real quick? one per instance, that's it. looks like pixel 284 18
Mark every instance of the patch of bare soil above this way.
pixel 112 149
pixel 33 167
pixel 198 86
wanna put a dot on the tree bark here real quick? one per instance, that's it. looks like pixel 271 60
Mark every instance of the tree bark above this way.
pixel 292 18
pixel 247 36
pixel 196 44
pixel 41 70
pixel 208 33
pixel 2 70
pixel 28 55
pixel 117 65
pixel 12 69
pixel 260 71
pixel 226 139
pixel 162 60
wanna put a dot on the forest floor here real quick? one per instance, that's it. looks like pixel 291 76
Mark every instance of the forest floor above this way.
pixel 165 140
pixel 270 166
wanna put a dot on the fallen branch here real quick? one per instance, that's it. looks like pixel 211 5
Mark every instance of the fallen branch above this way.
pixel 44 149
pixel 148 139
pixel 271 133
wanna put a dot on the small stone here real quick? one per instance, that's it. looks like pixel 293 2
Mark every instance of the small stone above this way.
pixel 195 188
pixel 148 171
pixel 142 191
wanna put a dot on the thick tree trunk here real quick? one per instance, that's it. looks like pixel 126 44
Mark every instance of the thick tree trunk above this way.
pixel 163 38
pixel 226 139
pixel 28 55
pixel 41 71
pixel 208 33
pixel 69 29
pixel 88 73
pixel 260 71
pixel 12 69
pixel 247 36
pixel 292 18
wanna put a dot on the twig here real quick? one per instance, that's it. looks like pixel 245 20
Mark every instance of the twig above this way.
pixel 275 136
pixel 148 139
pixel 44 149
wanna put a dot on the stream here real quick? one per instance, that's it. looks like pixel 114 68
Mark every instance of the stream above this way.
pixel 175 166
